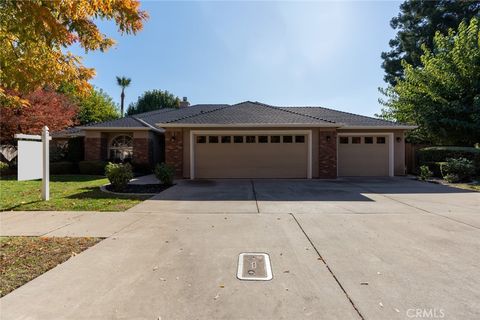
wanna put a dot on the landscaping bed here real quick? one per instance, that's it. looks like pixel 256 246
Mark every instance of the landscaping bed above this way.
pixel 67 192
pixel 474 186
pixel 24 258
pixel 140 188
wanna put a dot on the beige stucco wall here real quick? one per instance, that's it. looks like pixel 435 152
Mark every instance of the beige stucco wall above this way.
pixel 109 135
pixel 138 134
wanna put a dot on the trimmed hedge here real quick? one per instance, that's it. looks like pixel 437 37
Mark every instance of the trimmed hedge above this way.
pixel 63 167
pixel 432 156
pixel 92 167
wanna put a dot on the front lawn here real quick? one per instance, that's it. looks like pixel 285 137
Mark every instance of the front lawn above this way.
pixel 67 192
pixel 25 258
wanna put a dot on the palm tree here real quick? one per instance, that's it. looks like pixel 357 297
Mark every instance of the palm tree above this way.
pixel 123 82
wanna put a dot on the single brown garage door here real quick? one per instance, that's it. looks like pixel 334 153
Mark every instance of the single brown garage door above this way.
pixel 250 156
pixel 363 155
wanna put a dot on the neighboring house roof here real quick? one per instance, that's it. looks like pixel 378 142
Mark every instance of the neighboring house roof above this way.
pixel 246 113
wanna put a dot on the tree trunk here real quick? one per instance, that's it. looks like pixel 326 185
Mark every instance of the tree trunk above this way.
pixel 122 97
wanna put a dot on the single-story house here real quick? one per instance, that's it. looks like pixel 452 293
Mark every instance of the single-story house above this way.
pixel 252 140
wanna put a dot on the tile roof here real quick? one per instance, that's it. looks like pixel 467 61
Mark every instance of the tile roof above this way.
pixel 249 113
pixel 68 133
pixel 341 117
pixel 126 122
pixel 153 117
pixel 245 113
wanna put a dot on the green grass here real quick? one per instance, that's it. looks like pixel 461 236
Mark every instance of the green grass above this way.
pixel 25 258
pixel 67 192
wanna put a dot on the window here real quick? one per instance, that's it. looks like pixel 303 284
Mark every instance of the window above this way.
pixel 368 140
pixel 299 139
pixel 226 139
pixel 381 140
pixel 250 139
pixel 201 139
pixel 356 140
pixel 212 139
pixel 343 140
pixel 287 139
pixel 262 139
pixel 237 139
pixel 274 139
pixel 121 148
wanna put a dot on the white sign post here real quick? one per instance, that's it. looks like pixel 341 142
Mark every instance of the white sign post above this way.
pixel 34 159
pixel 46 164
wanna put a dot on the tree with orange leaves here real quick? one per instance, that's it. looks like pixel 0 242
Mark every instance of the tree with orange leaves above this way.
pixel 35 36
pixel 46 107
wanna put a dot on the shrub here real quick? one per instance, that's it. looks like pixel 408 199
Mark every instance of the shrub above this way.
pixel 431 155
pixel 434 167
pixel 457 170
pixel 164 173
pixel 4 168
pixel 425 173
pixel 119 175
pixel 63 167
pixel 95 167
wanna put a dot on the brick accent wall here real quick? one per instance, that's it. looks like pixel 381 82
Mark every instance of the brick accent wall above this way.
pixel 174 150
pixel 327 154
pixel 95 149
pixel 141 151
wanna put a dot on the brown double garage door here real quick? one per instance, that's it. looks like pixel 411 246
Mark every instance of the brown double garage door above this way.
pixel 250 155
pixel 284 155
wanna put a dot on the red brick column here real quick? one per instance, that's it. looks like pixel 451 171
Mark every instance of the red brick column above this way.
pixel 95 149
pixel 141 151
pixel 174 150
pixel 327 154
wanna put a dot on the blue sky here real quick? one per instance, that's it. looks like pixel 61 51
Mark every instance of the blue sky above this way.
pixel 280 53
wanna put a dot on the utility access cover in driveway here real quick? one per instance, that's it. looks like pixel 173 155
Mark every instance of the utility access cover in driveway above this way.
pixel 254 266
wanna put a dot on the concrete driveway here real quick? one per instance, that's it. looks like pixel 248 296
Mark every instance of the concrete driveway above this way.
pixel 346 249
